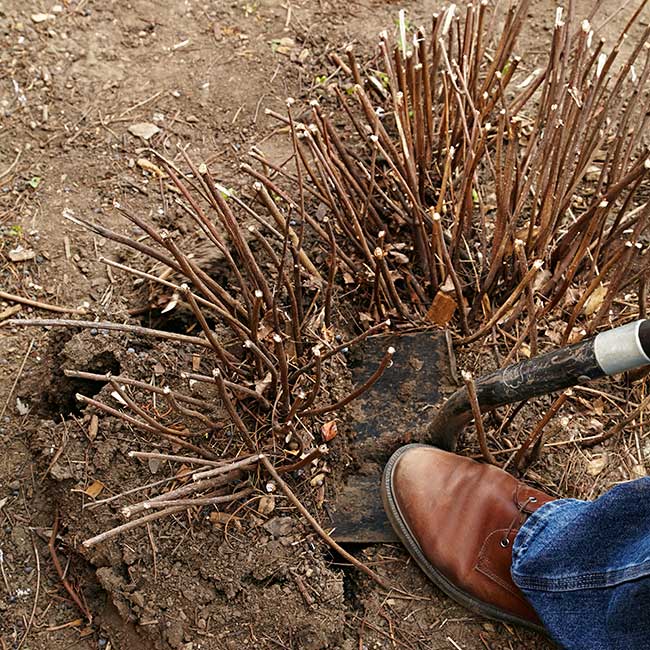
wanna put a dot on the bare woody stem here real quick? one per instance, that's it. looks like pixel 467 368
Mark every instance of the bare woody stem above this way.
pixel 232 411
pixel 478 418
pixel 105 325
pixel 180 442
pixel 385 362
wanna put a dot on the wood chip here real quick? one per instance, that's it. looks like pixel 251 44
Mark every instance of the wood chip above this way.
pixel 41 18
pixel 10 311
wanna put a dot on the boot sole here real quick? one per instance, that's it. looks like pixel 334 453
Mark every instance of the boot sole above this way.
pixel 406 536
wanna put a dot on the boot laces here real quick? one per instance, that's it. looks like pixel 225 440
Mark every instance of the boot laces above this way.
pixel 505 542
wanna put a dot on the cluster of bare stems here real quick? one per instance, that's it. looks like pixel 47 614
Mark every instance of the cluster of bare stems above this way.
pixel 269 341
pixel 453 174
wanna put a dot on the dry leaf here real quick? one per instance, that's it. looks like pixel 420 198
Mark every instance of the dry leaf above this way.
pixel 263 384
pixel 596 465
pixel 400 258
pixel 196 362
pixel 442 309
pixel 20 254
pixel 598 406
pixel 10 311
pixel 329 430
pixel 144 130
pixel 171 304
pixel 93 427
pixel 638 471
pixel 222 518
pixel 595 300
pixel 94 489
pixel 266 504
pixel 184 473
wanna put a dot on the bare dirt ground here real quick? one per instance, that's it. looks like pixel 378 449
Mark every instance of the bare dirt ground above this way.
pixel 74 78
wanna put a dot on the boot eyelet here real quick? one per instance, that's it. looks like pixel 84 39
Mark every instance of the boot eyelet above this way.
pixel 505 542
pixel 533 499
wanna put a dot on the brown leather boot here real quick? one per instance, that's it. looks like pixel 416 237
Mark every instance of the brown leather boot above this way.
pixel 458 519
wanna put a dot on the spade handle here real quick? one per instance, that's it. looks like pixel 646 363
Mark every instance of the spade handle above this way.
pixel 623 348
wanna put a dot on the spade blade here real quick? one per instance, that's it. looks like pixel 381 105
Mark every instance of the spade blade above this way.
pixel 393 412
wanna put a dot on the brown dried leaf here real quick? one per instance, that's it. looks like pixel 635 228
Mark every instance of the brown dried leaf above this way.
pixel 263 384
pixel 222 518
pixel 184 473
pixel 597 464
pixel 94 489
pixel 93 427
pixel 442 309
pixel 266 504
pixel 595 300
pixel 638 471
pixel 400 258
pixel 329 430
pixel 20 254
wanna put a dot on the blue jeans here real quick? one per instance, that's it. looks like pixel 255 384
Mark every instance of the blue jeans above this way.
pixel 585 568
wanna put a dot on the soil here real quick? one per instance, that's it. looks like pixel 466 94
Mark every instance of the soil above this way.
pixel 73 78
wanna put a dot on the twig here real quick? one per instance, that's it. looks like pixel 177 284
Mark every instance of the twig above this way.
pixel 130 525
pixel 190 488
pixel 57 565
pixel 138 384
pixel 201 501
pixel 106 325
pixel 615 430
pixel 146 455
pixel 476 412
pixel 40 305
pixel 20 372
pixel 385 362
pixel 238 464
pixel 232 411
pixel 38 591
pixel 9 169
pixel 144 426
pixel 535 434
pixel 524 282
